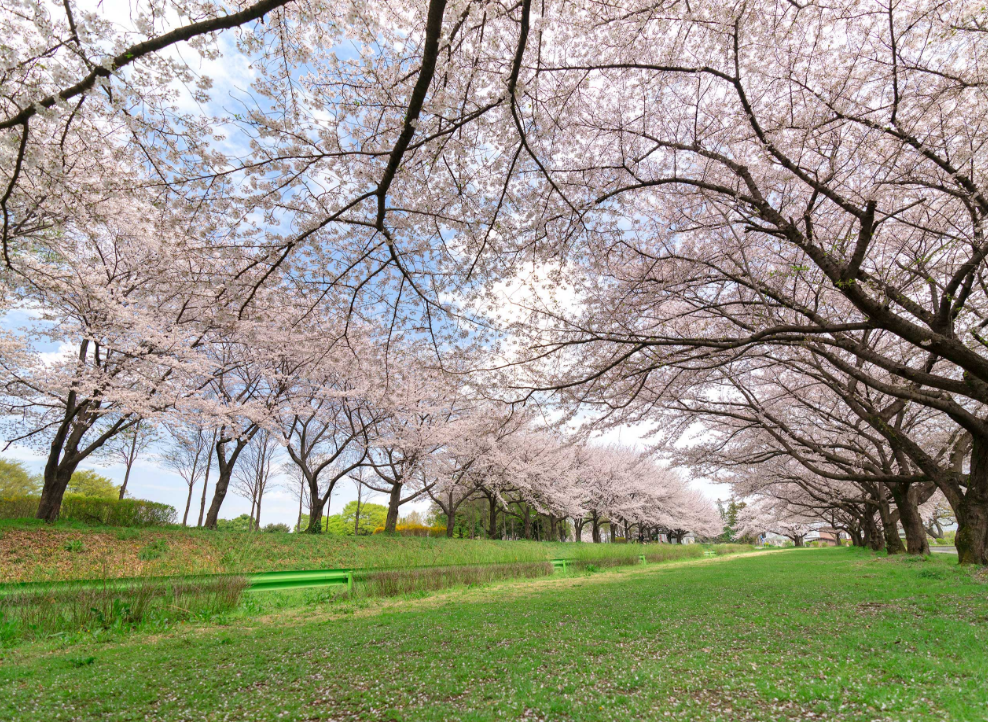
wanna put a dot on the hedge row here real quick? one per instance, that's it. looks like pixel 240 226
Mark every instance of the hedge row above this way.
pixel 91 510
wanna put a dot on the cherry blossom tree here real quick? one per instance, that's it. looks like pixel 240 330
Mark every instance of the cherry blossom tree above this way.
pixel 775 516
pixel 757 188
pixel 326 424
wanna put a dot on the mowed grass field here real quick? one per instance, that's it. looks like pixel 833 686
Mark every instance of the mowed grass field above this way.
pixel 834 634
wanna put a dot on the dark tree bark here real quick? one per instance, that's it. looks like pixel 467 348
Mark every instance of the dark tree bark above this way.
pixel 56 481
pixel 908 497
pixel 595 527
pixel 66 451
pixel 492 517
pixel 890 527
pixel 971 510
pixel 226 471
pixel 394 501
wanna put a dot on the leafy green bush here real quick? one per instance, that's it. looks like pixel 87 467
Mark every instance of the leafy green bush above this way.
pixel 342 524
pixel 94 510
pixel 238 523
pixel 18 507
pixel 276 529
pixel 88 483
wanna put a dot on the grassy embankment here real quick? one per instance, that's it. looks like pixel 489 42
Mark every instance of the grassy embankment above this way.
pixel 794 635
pixel 32 552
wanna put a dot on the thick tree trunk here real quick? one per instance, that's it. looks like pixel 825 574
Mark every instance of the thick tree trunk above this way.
pixel 578 528
pixel 316 506
pixel 870 531
pixel 890 528
pixel 391 523
pixel 492 517
pixel 225 473
pixel 971 539
pixel 527 523
pixel 450 516
pixel 552 528
pixel 907 501
pixel 219 494
pixel 595 529
pixel 57 478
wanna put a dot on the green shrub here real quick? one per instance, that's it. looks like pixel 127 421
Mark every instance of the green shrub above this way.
pixel 19 507
pixel 94 510
pixel 276 529
pixel 75 546
pixel 88 483
pixel 243 522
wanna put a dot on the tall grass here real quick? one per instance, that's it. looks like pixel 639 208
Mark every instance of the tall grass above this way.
pixel 46 612
pixel 722 549
pixel 394 582
pixel 667 552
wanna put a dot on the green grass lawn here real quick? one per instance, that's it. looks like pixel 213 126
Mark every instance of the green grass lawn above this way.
pixel 791 635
